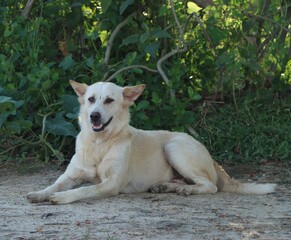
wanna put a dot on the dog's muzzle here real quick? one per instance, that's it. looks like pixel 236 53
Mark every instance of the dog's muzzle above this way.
pixel 97 125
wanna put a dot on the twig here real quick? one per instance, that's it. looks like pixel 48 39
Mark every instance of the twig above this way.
pixel 27 8
pixel 113 35
pixel 173 52
pixel 127 68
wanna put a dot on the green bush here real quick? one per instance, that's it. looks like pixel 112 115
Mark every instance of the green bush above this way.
pixel 224 52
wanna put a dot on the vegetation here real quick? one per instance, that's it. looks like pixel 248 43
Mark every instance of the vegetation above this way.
pixel 219 69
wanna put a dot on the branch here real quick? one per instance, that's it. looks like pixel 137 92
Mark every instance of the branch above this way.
pixel 113 35
pixel 173 52
pixel 127 68
pixel 204 3
pixel 168 55
pixel 27 8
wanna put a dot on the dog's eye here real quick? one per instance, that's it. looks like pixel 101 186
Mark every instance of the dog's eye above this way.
pixel 91 99
pixel 108 100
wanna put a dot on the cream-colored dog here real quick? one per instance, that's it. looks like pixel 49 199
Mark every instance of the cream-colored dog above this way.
pixel 121 159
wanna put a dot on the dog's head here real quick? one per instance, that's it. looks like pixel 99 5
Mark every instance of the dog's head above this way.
pixel 104 104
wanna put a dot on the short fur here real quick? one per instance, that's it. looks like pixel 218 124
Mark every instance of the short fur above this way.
pixel 119 158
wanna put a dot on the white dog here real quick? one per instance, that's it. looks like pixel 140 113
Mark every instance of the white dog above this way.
pixel 121 159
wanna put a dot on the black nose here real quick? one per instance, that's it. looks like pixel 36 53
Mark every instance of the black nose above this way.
pixel 95 116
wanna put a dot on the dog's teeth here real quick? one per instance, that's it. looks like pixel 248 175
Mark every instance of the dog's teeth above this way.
pixel 97 126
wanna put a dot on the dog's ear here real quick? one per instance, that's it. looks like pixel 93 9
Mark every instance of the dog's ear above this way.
pixel 130 94
pixel 79 88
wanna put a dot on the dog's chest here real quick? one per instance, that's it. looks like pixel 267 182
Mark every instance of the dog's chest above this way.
pixel 90 156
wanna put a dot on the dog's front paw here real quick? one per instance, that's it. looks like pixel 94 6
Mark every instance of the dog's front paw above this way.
pixel 60 198
pixel 36 197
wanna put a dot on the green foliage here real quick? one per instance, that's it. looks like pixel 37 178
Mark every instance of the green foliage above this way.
pixel 233 48
pixel 257 131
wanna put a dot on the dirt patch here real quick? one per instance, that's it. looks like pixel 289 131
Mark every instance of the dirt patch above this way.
pixel 148 216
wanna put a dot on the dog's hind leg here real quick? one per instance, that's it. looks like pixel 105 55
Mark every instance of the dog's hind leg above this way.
pixel 193 162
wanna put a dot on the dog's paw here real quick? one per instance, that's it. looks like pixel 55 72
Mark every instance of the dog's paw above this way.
pixel 36 197
pixel 61 198
pixel 158 188
pixel 184 190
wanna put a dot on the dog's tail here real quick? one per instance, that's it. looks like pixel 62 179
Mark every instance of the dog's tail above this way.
pixel 227 184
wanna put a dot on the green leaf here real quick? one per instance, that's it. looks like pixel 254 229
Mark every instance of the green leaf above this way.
pixel 216 34
pixel 193 7
pixel 4 99
pixel 70 104
pixel 7 33
pixel 163 10
pixel 152 49
pixel 130 40
pixel 13 126
pixel 142 105
pixel 144 37
pixel 130 57
pixel 67 62
pixel 3 117
pixel 105 4
pixel 90 62
pixel 6 103
pixel 59 126
pixel 156 99
pixel 124 5
pixel 157 33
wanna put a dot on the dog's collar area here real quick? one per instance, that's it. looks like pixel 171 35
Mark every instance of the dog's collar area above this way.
pixel 101 127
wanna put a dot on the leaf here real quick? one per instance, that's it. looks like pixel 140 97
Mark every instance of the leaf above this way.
pixel 130 40
pixel 7 103
pixel 157 33
pixel 7 33
pixel 156 99
pixel 13 126
pixel 105 4
pixel 67 62
pixel 59 126
pixel 152 49
pixel 144 37
pixel 124 5
pixel 3 117
pixel 90 62
pixel 142 105
pixel 193 8
pixel 130 57
pixel 4 99
pixel 216 34
pixel 163 10
pixel 70 104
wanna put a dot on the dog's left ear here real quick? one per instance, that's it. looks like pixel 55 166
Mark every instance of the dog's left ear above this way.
pixel 132 93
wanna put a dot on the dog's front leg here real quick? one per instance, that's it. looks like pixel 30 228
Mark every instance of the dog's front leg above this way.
pixel 107 188
pixel 112 172
pixel 63 183
pixel 69 179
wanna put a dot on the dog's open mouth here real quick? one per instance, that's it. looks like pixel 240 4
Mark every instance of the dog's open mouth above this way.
pixel 98 127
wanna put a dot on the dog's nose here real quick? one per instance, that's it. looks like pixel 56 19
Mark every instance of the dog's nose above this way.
pixel 95 116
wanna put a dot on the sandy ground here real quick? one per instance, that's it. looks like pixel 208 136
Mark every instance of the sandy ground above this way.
pixel 147 216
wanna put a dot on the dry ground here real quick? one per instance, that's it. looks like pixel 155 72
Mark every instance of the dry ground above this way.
pixel 147 216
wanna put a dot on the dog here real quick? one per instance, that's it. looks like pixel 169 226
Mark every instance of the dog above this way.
pixel 119 158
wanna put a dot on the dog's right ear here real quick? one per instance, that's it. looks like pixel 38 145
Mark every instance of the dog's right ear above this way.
pixel 79 88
